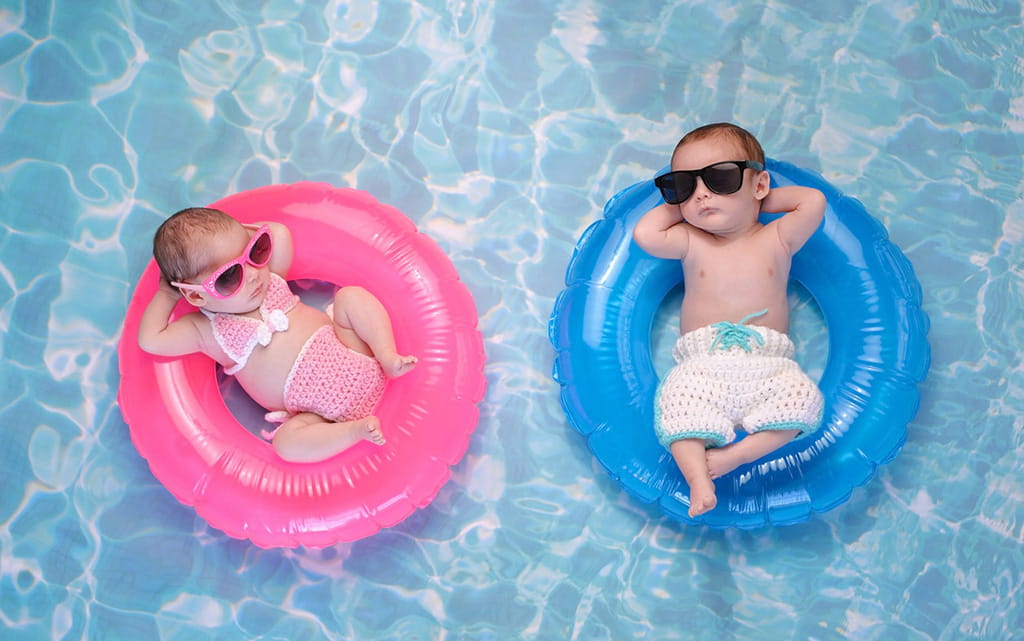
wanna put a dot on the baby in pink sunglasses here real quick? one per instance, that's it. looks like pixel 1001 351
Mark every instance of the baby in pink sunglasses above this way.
pixel 320 374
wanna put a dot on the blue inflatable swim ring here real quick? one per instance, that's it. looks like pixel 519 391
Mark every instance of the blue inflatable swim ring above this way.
pixel 877 355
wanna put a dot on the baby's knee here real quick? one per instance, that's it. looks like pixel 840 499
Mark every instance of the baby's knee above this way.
pixel 290 448
pixel 349 296
pixel 291 440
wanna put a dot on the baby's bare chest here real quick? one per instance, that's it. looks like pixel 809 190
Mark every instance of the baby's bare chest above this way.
pixel 731 282
pixel 755 262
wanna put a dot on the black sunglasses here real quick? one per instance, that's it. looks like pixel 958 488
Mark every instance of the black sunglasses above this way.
pixel 722 178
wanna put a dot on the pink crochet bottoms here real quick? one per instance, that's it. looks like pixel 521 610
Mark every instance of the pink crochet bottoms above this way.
pixel 331 380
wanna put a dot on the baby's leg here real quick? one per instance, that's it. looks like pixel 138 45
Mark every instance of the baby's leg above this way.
pixel 722 460
pixel 691 459
pixel 362 323
pixel 308 438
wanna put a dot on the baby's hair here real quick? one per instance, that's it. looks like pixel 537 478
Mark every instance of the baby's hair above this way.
pixel 177 243
pixel 744 138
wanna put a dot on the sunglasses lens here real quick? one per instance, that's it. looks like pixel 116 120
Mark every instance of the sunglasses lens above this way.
pixel 724 178
pixel 229 281
pixel 676 187
pixel 260 253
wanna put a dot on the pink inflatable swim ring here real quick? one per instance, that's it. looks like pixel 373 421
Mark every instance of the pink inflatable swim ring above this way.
pixel 199 451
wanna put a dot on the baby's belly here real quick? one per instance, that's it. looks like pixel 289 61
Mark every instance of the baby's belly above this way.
pixel 695 316
pixel 264 376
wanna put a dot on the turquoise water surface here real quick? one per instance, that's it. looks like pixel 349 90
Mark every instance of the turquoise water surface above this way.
pixel 501 129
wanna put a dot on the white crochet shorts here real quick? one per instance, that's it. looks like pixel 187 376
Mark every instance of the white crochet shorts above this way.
pixel 729 374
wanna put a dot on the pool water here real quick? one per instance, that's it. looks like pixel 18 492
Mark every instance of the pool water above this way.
pixel 501 129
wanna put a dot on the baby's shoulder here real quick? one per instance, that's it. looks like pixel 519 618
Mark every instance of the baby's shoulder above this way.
pixel 203 324
pixel 197 316
pixel 768 235
pixel 200 323
pixel 206 326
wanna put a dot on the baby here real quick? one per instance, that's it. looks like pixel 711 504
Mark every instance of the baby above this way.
pixel 321 374
pixel 733 358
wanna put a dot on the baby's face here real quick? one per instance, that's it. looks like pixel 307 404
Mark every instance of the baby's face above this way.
pixel 224 248
pixel 720 214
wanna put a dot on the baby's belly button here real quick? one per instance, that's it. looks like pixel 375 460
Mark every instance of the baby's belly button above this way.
pixel 267 391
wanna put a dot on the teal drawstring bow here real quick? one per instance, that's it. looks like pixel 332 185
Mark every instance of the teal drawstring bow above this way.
pixel 736 334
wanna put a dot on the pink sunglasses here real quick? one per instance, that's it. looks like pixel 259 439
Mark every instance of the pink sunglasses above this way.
pixel 227 279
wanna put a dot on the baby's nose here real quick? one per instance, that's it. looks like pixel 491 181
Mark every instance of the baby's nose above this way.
pixel 701 190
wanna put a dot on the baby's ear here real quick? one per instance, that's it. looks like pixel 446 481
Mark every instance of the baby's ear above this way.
pixel 763 186
pixel 193 297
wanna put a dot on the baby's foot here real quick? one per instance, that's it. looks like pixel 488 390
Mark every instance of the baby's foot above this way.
pixel 307 438
pixel 369 429
pixel 398 365
pixel 702 497
pixel 722 460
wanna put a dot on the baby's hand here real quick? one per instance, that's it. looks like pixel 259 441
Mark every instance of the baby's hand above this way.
pixel 167 289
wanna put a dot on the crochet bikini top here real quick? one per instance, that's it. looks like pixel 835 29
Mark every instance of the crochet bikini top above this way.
pixel 238 335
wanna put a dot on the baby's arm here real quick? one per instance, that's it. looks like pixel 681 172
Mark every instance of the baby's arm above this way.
pixel 804 208
pixel 162 338
pixel 662 233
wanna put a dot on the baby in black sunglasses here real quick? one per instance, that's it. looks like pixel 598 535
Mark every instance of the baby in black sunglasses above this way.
pixel 734 364
pixel 320 373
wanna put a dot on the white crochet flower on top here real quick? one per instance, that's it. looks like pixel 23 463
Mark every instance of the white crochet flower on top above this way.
pixel 239 335
pixel 275 321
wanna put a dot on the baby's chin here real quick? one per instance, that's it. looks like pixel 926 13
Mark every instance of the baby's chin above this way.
pixel 720 224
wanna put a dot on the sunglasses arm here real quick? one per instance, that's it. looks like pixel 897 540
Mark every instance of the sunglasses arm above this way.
pixel 191 293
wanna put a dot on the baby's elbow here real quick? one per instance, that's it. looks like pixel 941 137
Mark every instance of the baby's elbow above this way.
pixel 643 241
pixel 148 347
pixel 157 345
pixel 817 203
pixel 149 344
pixel 642 237
pixel 637 236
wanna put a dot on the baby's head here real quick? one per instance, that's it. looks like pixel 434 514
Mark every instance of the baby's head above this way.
pixel 214 260
pixel 717 179
pixel 180 245
pixel 727 134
